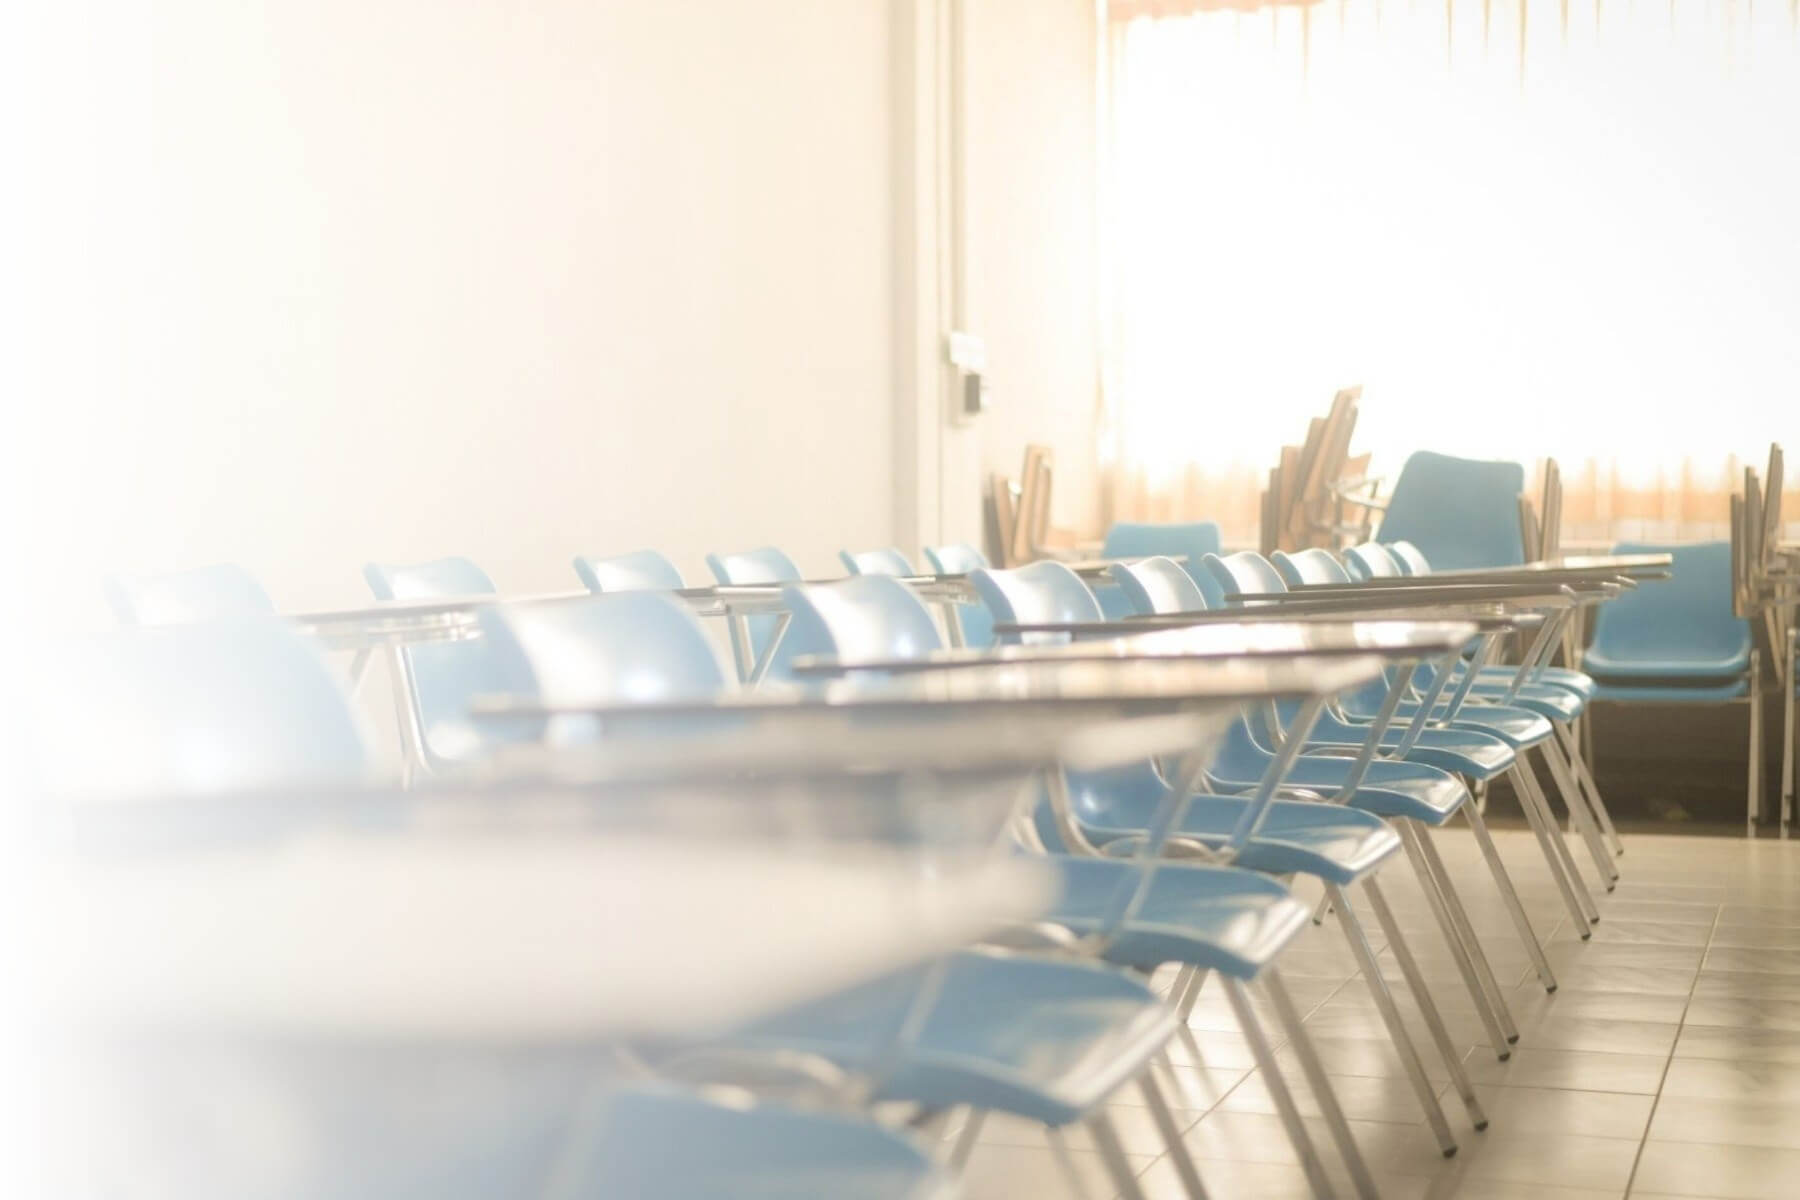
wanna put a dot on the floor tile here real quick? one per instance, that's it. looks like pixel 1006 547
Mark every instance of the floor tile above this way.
pixel 1531 1001
pixel 1565 1111
pixel 1755 959
pixel 1639 1074
pixel 1744 1122
pixel 1724 1171
pixel 1755 1044
pixel 1556 1031
pixel 1531 1157
pixel 1362 1097
pixel 1031 1173
pixel 1724 1079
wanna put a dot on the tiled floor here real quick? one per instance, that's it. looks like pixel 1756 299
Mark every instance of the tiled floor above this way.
pixel 1666 1064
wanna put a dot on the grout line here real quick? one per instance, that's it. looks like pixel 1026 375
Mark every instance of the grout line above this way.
pixel 1656 1102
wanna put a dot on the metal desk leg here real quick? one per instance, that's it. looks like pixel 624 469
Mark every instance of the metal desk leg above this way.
pixel 359 670
pixel 782 621
pixel 412 737
pixel 953 629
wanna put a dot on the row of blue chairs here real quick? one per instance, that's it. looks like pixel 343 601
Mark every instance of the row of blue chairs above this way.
pixel 1206 919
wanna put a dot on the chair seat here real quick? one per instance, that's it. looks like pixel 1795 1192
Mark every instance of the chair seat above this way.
pixel 1624 692
pixel 1578 682
pixel 1390 789
pixel 1462 752
pixel 1216 918
pixel 1604 667
pixel 1515 725
pixel 657 1144
pixel 1301 837
pixel 1518 727
pixel 1047 1040
pixel 1546 700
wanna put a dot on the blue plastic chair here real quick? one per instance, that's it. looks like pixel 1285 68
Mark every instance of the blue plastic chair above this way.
pixel 1045 1040
pixel 1391 788
pixel 184 597
pixel 1199 920
pixel 632 647
pixel 1678 642
pixel 1554 702
pixel 1187 542
pixel 441 679
pixel 1461 512
pixel 655 1143
pixel 888 561
pixel 639 571
pixel 1372 560
pixel 751 636
pixel 1479 742
pixel 1117 807
pixel 244 704
pixel 960 559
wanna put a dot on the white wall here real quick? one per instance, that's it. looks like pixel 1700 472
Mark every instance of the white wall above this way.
pixel 321 283
pixel 513 280
pixel 1030 236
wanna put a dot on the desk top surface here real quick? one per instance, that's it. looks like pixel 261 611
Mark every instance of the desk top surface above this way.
pixel 525 938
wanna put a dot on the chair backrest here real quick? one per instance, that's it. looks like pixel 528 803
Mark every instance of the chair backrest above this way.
pixel 1372 560
pixel 960 559
pixel 235 704
pixel 864 617
pixel 1157 585
pixel 1314 566
pixel 1409 558
pixel 1186 542
pixel 1182 541
pixel 889 561
pixel 435 580
pixel 613 647
pixel 1459 511
pixel 1245 571
pixel 184 597
pixel 639 571
pixel 1685 617
pixel 763 565
pixel 1040 593
pixel 957 559
pixel 441 678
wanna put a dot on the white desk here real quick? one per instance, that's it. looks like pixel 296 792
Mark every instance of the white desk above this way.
pixel 495 939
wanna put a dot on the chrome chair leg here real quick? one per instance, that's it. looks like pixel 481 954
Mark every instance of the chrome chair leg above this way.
pixel 1106 1138
pixel 1787 731
pixel 1059 1146
pixel 1264 1055
pixel 1550 841
pixel 1584 775
pixel 1434 1020
pixel 1314 1070
pixel 1390 1016
pixel 1579 816
pixel 1571 872
pixel 1171 1136
pixel 1465 947
pixel 966 1138
pixel 1753 788
pixel 1509 895
pixel 1186 992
